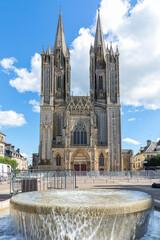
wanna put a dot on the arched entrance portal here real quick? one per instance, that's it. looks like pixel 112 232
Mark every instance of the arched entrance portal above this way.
pixel 80 161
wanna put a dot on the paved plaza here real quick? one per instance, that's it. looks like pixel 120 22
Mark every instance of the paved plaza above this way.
pixel 102 182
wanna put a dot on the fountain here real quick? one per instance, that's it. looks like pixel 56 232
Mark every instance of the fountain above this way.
pixel 81 214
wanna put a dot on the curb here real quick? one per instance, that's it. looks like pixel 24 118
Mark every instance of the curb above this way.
pixel 4 204
pixel 157 204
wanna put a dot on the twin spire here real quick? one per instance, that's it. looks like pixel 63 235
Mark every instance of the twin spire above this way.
pixel 60 38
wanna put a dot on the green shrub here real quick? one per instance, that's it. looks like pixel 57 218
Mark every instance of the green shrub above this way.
pixel 153 161
pixel 13 163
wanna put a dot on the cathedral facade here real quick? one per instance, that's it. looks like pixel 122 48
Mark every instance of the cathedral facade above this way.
pixel 80 132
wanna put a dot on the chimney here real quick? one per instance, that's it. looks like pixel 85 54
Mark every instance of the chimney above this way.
pixel 18 150
pixel 12 147
pixel 148 142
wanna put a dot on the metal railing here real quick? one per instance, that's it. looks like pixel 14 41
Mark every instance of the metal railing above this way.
pixel 40 180
pixel 87 180
pixel 121 174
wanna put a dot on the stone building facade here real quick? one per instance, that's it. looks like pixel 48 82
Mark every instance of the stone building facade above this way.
pixel 8 150
pixel 80 132
pixel 150 150
pixel 15 154
pixel 2 144
pixel 127 160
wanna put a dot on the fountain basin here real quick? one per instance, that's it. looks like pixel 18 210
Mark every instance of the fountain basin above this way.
pixel 81 214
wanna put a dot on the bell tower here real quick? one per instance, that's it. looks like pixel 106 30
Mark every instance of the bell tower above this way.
pixel 105 95
pixel 61 64
pixel 98 65
pixel 55 90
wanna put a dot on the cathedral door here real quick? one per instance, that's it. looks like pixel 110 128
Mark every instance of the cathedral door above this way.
pixel 101 171
pixel 76 167
pixel 83 167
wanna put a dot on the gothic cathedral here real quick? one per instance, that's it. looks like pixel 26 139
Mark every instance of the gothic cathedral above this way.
pixel 80 132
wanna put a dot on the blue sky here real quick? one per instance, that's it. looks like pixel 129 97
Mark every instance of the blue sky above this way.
pixel 26 25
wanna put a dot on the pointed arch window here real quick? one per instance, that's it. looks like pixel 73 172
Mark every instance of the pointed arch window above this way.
pixel 100 82
pixel 113 84
pixel 58 160
pixel 79 134
pixel 58 82
pixel 101 160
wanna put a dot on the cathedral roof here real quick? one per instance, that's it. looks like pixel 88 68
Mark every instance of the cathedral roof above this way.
pixel 60 38
pixel 78 103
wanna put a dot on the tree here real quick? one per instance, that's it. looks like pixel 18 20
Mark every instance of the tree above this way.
pixel 153 161
pixel 13 163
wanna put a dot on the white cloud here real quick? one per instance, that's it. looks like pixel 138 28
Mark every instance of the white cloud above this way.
pixel 131 141
pixel 138 37
pixel 112 14
pixel 25 80
pixel 11 119
pixel 135 110
pixel 131 119
pixel 140 56
pixel 136 30
pixel 25 155
pixel 122 113
pixel 7 63
pixel 36 106
pixel 80 62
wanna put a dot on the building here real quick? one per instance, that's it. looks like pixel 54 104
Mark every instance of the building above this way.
pixel 2 144
pixel 35 160
pixel 10 152
pixel 150 150
pixel 80 132
pixel 127 160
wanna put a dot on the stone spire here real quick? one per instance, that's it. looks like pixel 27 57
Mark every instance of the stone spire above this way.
pixel 60 38
pixel 111 49
pixel 43 52
pixel 48 51
pixel 117 51
pixel 99 39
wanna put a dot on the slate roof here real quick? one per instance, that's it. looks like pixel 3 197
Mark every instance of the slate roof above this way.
pixel 2 133
pixel 151 148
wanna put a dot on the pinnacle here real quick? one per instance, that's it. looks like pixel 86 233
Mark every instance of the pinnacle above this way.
pixel 48 51
pixel 43 52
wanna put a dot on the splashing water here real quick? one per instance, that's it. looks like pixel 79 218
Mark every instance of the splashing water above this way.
pixel 81 215
pixel 7 231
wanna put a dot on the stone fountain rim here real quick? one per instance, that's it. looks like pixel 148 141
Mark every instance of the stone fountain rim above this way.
pixel 88 211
